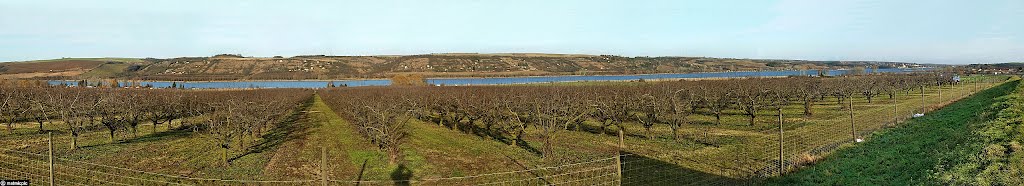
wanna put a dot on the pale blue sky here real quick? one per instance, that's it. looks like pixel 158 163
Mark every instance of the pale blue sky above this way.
pixel 940 31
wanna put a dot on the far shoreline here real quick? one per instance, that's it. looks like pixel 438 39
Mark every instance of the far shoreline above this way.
pixel 451 78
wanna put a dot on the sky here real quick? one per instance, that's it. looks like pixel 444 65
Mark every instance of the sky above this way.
pixel 922 31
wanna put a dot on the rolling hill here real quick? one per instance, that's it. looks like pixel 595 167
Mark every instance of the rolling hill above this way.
pixel 237 67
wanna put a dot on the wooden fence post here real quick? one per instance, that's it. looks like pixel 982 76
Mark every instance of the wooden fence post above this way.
pixel 49 142
pixel 895 110
pixel 782 147
pixel 853 127
pixel 618 156
pixel 323 165
pixel 975 86
pixel 924 104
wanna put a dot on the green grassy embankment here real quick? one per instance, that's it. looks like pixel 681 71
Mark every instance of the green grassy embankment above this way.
pixel 905 155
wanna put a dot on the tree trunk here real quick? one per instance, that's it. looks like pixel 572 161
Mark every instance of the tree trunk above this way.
pixel 74 141
pixel 519 137
pixel 393 155
pixel 440 119
pixel 112 136
pixel 807 108
pixel 718 118
pixel 224 156
pixel 169 122
pixel 707 130
pixel 648 131
pixel 675 130
pixel 604 126
pixel 547 147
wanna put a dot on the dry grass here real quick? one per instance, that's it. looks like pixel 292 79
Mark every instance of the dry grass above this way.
pixel 41 74
pixel 806 159
pixel 48 67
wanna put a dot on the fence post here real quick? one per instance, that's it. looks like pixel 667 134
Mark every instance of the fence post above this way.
pixel 323 165
pixel 924 104
pixel 782 147
pixel 853 127
pixel 618 157
pixel 895 110
pixel 49 144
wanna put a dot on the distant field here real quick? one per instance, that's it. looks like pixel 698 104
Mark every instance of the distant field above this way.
pixel 54 66
pixel 106 70
pixel 114 59
pixel 68 67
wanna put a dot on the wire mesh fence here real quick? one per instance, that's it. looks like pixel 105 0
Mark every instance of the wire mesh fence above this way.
pixel 752 158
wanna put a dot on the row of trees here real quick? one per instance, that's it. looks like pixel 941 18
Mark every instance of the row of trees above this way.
pixel 234 118
pixel 505 112
pixel 229 116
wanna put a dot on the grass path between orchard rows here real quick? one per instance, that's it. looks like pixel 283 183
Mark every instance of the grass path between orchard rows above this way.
pixel 430 151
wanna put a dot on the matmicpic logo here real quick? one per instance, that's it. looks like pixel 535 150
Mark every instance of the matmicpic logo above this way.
pixel 13 182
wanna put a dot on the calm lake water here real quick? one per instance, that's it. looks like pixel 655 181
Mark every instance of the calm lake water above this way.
pixel 491 81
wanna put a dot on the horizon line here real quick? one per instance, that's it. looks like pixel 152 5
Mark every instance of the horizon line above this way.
pixel 499 53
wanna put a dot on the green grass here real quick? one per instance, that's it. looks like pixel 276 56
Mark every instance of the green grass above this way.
pixel 904 155
pixel 320 129
pixel 106 70
pixel 1001 160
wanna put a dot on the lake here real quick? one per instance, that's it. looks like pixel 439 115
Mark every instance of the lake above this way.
pixel 490 81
